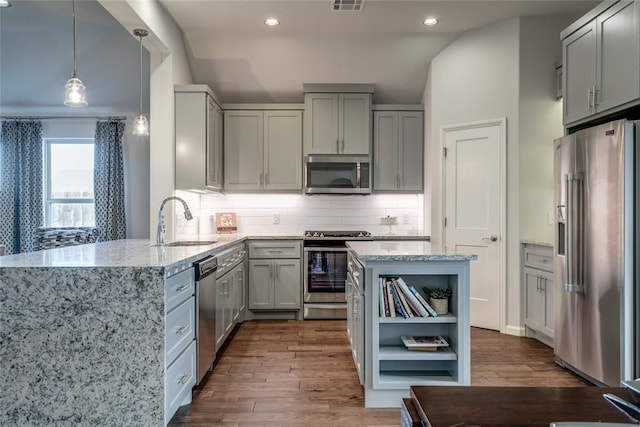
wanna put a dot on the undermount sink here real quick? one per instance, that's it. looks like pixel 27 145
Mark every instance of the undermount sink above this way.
pixel 191 243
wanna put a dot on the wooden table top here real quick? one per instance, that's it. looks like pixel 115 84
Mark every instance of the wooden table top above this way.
pixel 514 406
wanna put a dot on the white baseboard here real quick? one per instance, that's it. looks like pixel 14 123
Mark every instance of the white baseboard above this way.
pixel 514 330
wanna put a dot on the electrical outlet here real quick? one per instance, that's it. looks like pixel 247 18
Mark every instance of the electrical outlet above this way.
pixel 405 218
pixel 550 218
pixel 276 218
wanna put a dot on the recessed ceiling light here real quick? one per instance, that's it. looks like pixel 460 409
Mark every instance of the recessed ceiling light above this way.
pixel 271 22
pixel 5 3
pixel 430 21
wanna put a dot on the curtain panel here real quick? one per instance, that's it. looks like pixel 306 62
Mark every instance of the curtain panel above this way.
pixel 109 180
pixel 21 183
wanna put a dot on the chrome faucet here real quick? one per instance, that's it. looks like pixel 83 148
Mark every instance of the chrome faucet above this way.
pixel 160 233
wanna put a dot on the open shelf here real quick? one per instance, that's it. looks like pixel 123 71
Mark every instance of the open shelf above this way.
pixel 401 378
pixel 442 318
pixel 398 352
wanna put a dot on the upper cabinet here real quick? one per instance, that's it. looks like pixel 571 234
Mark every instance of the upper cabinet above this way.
pixel 398 151
pixel 262 150
pixel 337 123
pixel 601 61
pixel 198 127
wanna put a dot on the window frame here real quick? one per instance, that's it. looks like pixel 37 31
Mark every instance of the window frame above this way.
pixel 48 200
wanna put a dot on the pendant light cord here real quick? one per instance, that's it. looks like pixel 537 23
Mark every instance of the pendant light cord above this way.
pixel 74 40
pixel 140 74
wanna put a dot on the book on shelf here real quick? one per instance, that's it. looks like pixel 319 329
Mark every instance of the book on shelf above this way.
pixel 390 299
pixel 424 342
pixel 420 298
pixel 411 299
pixel 396 298
pixel 384 303
pixel 403 300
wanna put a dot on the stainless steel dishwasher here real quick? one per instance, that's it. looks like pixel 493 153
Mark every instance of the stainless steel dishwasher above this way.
pixel 205 270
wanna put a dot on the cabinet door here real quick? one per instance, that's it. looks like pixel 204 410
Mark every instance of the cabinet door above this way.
pixel 261 294
pixel 410 143
pixel 534 304
pixel 243 143
pixel 191 138
pixel 549 313
pixel 239 294
pixel 354 123
pixel 220 314
pixel 579 72
pixel 618 44
pixel 321 123
pixel 214 145
pixel 385 150
pixel 283 150
pixel 287 284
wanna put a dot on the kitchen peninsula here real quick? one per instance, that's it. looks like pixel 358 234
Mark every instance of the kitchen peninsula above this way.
pixel 82 333
pixel 386 368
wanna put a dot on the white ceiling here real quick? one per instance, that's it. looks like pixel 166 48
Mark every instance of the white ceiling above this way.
pixel 36 59
pixel 384 44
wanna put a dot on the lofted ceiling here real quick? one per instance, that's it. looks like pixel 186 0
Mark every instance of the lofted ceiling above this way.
pixel 36 59
pixel 385 43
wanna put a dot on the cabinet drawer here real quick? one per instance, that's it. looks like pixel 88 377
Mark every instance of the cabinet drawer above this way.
pixel 178 288
pixel 180 329
pixel 274 249
pixel 179 379
pixel 539 257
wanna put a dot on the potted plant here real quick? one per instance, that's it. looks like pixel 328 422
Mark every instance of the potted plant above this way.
pixel 439 299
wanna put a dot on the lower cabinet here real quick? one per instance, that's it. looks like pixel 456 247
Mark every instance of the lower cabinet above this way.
pixel 537 277
pixel 355 314
pixel 180 341
pixel 275 275
pixel 230 302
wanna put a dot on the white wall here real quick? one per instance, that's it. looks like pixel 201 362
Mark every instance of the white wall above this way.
pixel 169 66
pixel 299 213
pixel 476 78
pixel 540 122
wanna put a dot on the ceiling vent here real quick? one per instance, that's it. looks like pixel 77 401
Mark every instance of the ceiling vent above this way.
pixel 347 5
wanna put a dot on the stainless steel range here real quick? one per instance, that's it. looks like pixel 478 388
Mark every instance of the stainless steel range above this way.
pixel 325 272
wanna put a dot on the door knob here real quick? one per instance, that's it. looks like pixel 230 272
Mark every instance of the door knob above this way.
pixel 493 238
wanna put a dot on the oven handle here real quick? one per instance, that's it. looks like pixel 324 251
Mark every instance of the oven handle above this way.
pixel 324 249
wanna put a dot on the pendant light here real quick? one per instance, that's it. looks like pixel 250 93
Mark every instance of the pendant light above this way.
pixel 140 124
pixel 74 94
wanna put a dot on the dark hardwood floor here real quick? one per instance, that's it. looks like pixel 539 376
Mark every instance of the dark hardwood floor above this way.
pixel 300 373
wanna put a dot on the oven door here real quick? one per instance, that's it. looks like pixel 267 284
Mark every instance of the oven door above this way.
pixel 325 274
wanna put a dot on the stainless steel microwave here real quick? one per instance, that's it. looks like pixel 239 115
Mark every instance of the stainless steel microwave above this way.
pixel 337 174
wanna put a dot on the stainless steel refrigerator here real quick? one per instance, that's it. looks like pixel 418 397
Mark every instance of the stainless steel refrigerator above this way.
pixel 595 290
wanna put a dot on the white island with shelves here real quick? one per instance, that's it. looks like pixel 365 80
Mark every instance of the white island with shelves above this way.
pixel 389 367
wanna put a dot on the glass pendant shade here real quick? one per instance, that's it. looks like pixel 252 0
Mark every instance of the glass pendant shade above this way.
pixel 75 93
pixel 140 125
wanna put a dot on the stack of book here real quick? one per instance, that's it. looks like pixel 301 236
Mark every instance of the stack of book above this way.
pixel 424 343
pixel 397 299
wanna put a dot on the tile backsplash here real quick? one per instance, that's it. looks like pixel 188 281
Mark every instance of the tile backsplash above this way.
pixel 256 213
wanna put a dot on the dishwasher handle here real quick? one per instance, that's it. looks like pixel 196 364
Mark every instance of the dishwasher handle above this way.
pixel 205 267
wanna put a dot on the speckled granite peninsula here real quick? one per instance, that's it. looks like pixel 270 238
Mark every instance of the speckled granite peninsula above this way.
pixel 379 272
pixel 82 333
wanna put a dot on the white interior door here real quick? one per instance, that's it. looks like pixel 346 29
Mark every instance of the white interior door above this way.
pixel 474 192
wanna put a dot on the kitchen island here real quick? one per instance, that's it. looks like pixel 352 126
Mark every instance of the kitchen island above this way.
pixel 82 332
pixel 387 368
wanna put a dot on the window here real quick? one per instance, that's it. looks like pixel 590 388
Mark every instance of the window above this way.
pixel 69 182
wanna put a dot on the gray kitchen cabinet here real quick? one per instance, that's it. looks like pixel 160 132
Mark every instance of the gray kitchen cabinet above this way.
pixel 263 150
pixel 198 128
pixel 231 289
pixel 537 276
pixel 398 151
pixel 337 123
pixel 275 275
pixel 601 62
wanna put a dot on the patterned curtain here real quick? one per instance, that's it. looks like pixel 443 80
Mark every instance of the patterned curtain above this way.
pixel 21 209
pixel 108 180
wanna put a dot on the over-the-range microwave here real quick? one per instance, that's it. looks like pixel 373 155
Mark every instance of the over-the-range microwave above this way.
pixel 337 174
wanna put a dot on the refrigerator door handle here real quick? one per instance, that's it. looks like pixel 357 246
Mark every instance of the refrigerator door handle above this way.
pixel 572 180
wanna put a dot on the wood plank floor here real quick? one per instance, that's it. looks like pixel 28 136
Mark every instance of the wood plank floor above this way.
pixel 300 373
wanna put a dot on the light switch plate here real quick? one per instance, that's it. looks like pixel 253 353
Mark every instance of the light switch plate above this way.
pixel 276 218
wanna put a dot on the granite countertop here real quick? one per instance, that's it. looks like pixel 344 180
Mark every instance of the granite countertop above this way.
pixel 117 253
pixel 536 242
pixel 388 250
